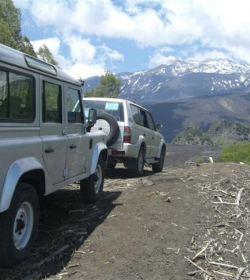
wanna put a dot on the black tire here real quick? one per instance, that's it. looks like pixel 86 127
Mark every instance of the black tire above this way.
pixel 113 131
pixel 91 188
pixel 111 165
pixel 140 161
pixel 158 167
pixel 19 226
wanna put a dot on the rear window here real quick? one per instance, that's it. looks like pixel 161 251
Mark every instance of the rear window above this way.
pixel 16 97
pixel 115 109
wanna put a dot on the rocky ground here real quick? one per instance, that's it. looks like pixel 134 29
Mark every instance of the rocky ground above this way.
pixel 183 223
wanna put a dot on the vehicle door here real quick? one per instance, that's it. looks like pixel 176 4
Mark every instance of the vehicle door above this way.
pixel 78 144
pixel 55 142
pixel 147 132
pixel 155 137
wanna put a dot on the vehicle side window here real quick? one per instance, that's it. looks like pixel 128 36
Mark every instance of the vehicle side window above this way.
pixel 143 118
pixel 74 106
pixel 151 124
pixel 135 112
pixel 16 97
pixel 52 103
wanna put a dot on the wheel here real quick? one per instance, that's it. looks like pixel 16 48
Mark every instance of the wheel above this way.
pixel 18 226
pixel 111 165
pixel 157 167
pixel 109 126
pixel 140 163
pixel 91 188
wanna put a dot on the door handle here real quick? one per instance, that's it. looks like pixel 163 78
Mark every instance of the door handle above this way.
pixel 49 151
pixel 72 146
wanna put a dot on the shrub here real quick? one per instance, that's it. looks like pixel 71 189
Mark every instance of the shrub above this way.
pixel 239 152
pixel 199 160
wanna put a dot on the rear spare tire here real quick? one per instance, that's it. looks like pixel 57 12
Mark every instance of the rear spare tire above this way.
pixel 109 126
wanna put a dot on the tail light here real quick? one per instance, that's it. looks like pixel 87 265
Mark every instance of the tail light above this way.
pixel 127 134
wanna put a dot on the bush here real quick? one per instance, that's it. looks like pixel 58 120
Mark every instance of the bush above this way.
pixel 239 152
pixel 199 160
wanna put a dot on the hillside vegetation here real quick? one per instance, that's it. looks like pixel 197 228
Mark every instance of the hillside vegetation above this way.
pixel 239 152
pixel 220 134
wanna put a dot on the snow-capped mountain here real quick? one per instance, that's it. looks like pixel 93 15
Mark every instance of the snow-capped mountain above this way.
pixel 180 79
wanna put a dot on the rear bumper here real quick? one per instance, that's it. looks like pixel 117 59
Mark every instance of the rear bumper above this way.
pixel 128 151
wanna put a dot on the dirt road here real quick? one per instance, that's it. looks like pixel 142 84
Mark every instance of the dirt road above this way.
pixel 147 228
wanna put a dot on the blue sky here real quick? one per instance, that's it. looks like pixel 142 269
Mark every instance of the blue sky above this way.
pixel 88 37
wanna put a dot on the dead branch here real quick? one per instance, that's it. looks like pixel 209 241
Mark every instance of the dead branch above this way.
pixel 241 271
pixel 223 273
pixel 200 268
pixel 224 265
pixel 237 201
pixel 201 251
pixel 239 196
pixel 58 252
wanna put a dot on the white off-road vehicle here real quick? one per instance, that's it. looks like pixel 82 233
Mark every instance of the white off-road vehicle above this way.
pixel 45 144
pixel 132 136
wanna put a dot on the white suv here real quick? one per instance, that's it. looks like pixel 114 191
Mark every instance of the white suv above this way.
pixel 132 136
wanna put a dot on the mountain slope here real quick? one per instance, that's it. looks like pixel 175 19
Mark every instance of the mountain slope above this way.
pixel 182 79
pixel 220 134
pixel 202 111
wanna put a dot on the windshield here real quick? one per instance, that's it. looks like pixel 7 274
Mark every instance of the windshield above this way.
pixel 115 109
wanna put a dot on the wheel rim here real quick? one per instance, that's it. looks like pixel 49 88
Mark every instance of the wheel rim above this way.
pixel 23 225
pixel 98 178
pixel 104 126
pixel 140 162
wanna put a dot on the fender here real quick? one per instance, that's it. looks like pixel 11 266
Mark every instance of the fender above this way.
pixel 162 143
pixel 16 170
pixel 99 147
pixel 139 142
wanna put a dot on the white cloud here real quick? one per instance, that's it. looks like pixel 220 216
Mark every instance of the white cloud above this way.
pixel 201 56
pixel 158 59
pixel 84 71
pixel 172 22
pixel 81 50
pixel 222 25
pixel 109 54
pixel 85 60
pixel 52 43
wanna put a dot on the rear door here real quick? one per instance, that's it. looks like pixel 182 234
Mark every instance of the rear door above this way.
pixel 78 144
pixel 155 139
pixel 147 133
pixel 140 128
pixel 55 143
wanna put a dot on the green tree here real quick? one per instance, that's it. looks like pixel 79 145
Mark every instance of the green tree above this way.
pixel 27 47
pixel 45 54
pixel 109 86
pixel 10 24
pixel 10 28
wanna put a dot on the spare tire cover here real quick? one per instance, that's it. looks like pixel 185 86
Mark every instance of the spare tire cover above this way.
pixel 109 126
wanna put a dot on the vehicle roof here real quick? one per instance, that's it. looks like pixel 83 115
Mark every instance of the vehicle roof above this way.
pixel 17 58
pixel 115 99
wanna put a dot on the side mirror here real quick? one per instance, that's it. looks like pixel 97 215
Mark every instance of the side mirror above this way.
pixel 159 127
pixel 92 117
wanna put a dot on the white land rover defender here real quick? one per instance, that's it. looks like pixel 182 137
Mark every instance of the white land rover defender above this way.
pixel 45 144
